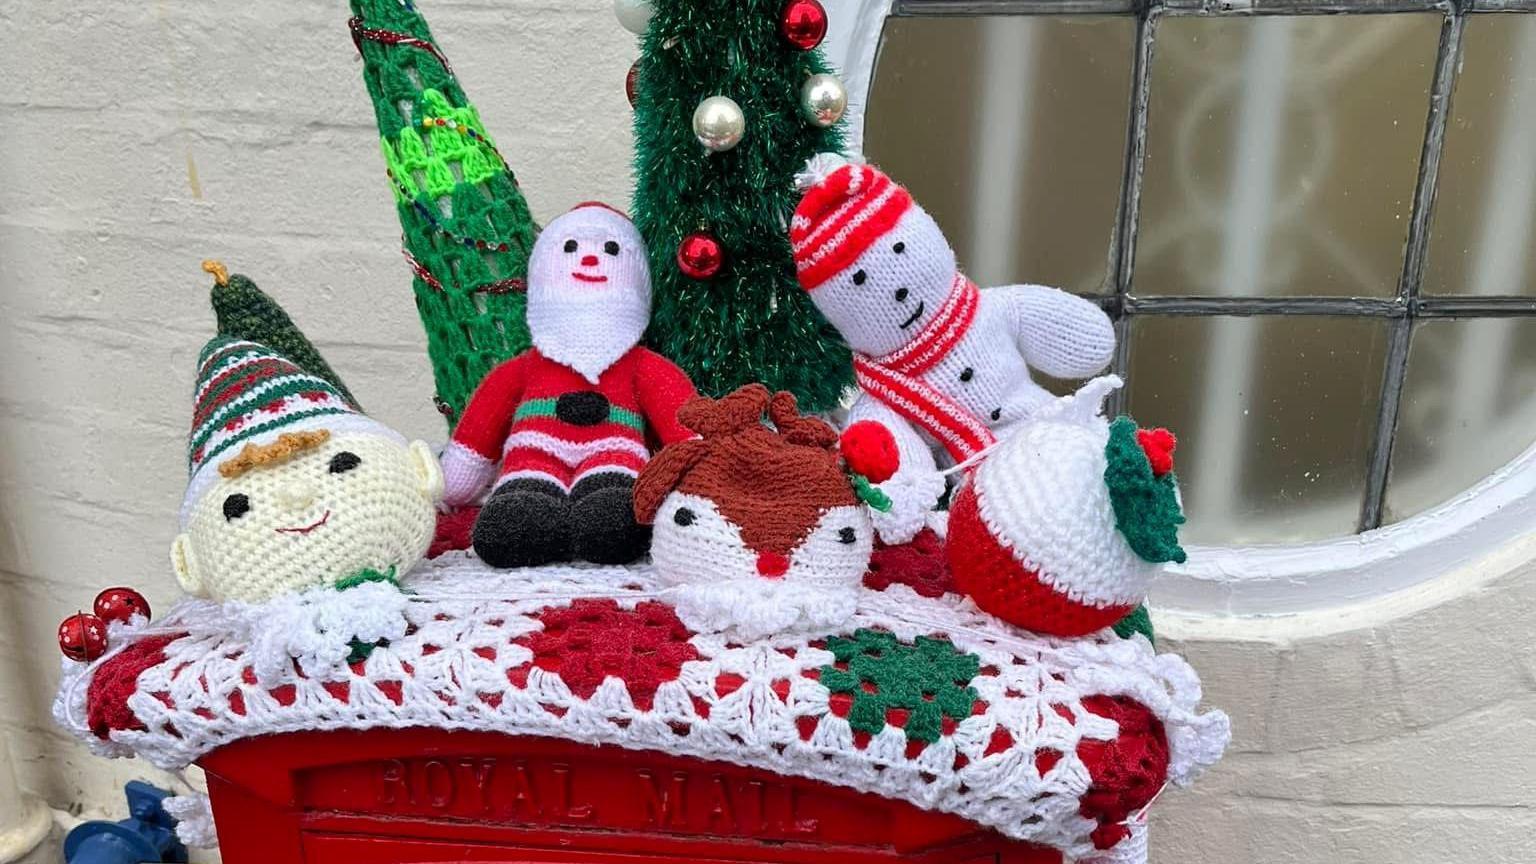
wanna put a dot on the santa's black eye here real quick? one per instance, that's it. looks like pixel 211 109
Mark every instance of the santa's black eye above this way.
pixel 684 517
pixel 344 461
pixel 847 536
pixel 570 245
pixel 611 247
pixel 235 506
pixel 899 248
pixel 859 277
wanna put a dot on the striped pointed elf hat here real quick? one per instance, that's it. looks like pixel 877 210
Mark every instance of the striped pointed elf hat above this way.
pixel 249 395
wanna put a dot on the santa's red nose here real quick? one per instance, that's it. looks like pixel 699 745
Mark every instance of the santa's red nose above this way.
pixel 772 564
pixel 589 260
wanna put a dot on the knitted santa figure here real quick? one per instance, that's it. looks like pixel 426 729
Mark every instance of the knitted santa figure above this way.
pixel 564 427
pixel 942 364
pixel 1064 524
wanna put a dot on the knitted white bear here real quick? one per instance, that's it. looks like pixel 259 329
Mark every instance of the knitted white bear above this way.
pixel 942 365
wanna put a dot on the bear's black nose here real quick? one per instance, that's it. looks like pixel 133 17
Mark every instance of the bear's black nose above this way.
pixel 583 408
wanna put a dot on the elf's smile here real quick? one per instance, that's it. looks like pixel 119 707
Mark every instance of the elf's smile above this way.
pixel 916 314
pixel 307 528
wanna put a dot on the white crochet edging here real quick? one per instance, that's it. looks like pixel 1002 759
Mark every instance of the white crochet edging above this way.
pixel 471 617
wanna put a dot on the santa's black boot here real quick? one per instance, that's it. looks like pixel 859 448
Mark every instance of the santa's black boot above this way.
pixel 525 523
pixel 603 526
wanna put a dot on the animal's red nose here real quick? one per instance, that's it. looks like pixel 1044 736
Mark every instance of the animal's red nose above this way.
pixel 589 260
pixel 772 564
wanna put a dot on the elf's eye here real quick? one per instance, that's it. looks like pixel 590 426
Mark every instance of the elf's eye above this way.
pixel 899 248
pixel 344 461
pixel 570 245
pixel 847 536
pixel 611 247
pixel 859 277
pixel 235 506
pixel 684 517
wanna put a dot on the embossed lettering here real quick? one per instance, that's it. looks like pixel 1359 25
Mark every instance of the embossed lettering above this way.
pixel 563 804
pixel 720 813
pixel 391 779
pixel 523 795
pixel 480 772
pixel 663 806
pixel 437 783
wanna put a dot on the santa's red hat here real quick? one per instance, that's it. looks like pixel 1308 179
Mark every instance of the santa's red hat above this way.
pixel 846 208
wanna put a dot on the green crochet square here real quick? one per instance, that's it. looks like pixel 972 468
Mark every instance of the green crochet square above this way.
pixel 927 680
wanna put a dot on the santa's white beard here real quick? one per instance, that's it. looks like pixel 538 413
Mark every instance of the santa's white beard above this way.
pixel 587 333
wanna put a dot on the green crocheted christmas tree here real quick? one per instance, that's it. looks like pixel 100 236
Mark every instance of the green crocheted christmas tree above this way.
pixel 917 685
pixel 751 321
pixel 466 229
pixel 244 311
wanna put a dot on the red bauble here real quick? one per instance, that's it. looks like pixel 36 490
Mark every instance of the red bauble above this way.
pixel 803 23
pixel 83 637
pixel 700 255
pixel 870 450
pixel 631 81
pixel 120 604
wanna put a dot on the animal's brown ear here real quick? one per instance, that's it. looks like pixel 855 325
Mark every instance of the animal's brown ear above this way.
pixel 662 474
pixel 797 428
pixel 730 413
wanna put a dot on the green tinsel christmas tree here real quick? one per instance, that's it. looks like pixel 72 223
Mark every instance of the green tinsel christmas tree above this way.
pixel 750 320
pixel 466 228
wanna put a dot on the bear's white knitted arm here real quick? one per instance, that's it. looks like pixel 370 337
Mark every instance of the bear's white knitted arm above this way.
pixel 1059 334
pixel 916 486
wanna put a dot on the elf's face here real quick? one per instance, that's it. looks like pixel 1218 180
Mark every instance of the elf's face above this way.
pixel 885 297
pixel 355 502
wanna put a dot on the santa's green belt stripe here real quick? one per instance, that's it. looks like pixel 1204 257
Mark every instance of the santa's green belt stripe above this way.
pixel 546 408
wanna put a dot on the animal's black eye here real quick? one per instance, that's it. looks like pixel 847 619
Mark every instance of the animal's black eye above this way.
pixel 570 245
pixel 235 506
pixel 611 247
pixel 901 295
pixel 859 276
pixel 684 517
pixel 847 536
pixel 899 248
pixel 344 461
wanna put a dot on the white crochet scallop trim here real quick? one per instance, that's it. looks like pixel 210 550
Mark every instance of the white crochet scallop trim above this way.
pixel 461 606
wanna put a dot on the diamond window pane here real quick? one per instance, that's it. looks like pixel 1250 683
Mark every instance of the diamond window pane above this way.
pixel 1275 417
pixel 1011 131
pixel 1485 208
pixel 1468 407
pixel 1282 154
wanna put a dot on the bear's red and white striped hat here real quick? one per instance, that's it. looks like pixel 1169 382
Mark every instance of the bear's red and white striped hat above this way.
pixel 846 208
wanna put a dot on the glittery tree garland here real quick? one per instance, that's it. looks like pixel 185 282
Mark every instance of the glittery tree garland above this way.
pixel 360 31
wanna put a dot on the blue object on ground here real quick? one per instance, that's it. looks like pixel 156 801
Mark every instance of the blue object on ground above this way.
pixel 148 834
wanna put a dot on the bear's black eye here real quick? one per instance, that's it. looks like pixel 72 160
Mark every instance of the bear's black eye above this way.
pixel 684 517
pixel 899 248
pixel 344 461
pixel 235 506
pixel 847 536
pixel 570 245
pixel 611 247
pixel 859 276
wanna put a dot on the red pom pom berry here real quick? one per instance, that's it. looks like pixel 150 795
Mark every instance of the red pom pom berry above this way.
pixel 870 450
pixel 83 637
pixel 1159 445
pixel 700 255
pixel 803 23
pixel 120 604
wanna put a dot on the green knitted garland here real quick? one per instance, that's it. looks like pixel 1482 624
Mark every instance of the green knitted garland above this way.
pixel 466 228
pixel 928 680
pixel 1146 506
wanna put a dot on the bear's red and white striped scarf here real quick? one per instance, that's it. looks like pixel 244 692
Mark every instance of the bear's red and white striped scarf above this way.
pixel 895 379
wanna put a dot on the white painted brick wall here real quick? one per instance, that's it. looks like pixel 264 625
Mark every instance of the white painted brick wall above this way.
pixel 138 139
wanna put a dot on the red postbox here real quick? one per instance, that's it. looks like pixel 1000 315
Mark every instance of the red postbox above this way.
pixel 424 796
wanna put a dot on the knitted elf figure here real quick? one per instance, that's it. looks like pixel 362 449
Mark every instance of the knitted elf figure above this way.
pixel 941 364
pixel 291 487
pixel 1064 524
pixel 564 428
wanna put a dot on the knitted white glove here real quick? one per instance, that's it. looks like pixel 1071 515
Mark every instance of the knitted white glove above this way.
pixel 913 496
pixel 465 474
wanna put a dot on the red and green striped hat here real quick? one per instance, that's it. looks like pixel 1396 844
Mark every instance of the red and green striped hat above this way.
pixel 248 393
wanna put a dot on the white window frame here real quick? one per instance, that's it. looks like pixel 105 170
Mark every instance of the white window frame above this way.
pixel 1281 579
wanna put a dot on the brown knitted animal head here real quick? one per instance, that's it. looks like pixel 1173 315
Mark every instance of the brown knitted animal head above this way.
pixel 755 494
